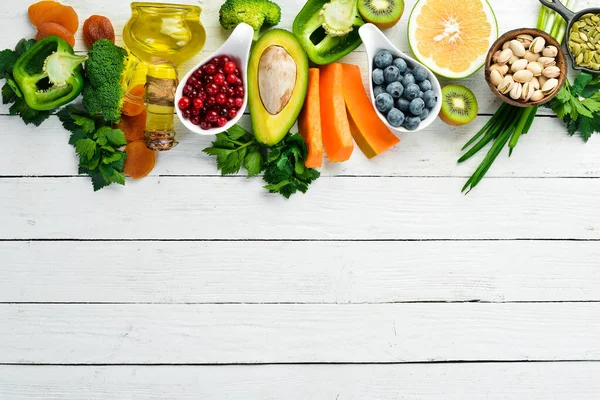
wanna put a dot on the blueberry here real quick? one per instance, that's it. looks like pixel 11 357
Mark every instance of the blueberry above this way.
pixel 383 59
pixel 384 102
pixel 408 79
pixel 423 116
pixel 402 105
pixel 378 76
pixel 401 65
pixel 412 123
pixel 425 85
pixel 395 89
pixel 377 90
pixel 416 106
pixel 420 73
pixel 395 117
pixel 429 99
pixel 420 94
pixel 411 91
pixel 391 74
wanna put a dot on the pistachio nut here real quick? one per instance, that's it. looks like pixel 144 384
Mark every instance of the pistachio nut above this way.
pixel 551 72
pixel 503 69
pixel 550 51
pixel 523 76
pixel 505 45
pixel 542 79
pixel 525 39
pixel 528 90
pixel 535 68
pixel 513 59
pixel 517 48
pixel 547 61
pixel 537 44
pixel 519 65
pixel 504 56
pixel 535 83
pixel 495 77
pixel 516 91
pixel 530 56
pixel 506 85
pixel 550 85
pixel 537 96
pixel 495 56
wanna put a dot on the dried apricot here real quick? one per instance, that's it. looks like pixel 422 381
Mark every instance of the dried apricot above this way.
pixel 97 27
pixel 140 159
pixel 133 104
pixel 62 15
pixel 133 127
pixel 52 28
pixel 37 10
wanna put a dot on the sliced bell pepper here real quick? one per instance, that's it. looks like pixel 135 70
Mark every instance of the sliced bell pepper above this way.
pixel 49 74
pixel 328 29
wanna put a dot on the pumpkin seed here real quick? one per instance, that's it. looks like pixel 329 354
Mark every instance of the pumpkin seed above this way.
pixel 575 48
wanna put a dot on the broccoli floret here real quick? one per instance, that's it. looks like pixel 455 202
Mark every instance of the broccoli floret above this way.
pixel 103 92
pixel 255 13
pixel 339 17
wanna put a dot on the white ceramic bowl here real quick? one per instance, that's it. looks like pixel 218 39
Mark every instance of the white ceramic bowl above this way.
pixel 237 47
pixel 374 41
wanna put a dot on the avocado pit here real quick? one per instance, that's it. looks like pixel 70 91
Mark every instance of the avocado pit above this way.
pixel 277 72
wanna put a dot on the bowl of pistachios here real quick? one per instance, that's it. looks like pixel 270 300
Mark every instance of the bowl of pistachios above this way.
pixel 525 67
pixel 583 35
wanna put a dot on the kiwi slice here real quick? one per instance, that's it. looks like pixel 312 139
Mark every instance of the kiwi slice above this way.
pixel 382 13
pixel 459 105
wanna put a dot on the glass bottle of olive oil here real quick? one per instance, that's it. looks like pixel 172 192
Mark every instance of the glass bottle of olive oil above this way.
pixel 163 36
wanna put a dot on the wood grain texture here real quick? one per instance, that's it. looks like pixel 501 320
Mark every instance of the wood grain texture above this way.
pixel 281 333
pixel 527 381
pixel 299 272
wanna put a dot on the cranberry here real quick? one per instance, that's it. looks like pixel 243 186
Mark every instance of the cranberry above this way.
pixel 211 101
pixel 184 103
pixel 192 81
pixel 230 92
pixel 198 103
pixel 221 98
pixel 202 95
pixel 231 113
pixel 186 114
pixel 187 90
pixel 223 60
pixel 203 110
pixel 208 79
pixel 239 102
pixel 239 91
pixel 230 67
pixel 199 74
pixel 220 71
pixel 223 89
pixel 231 78
pixel 219 79
pixel 221 121
pixel 194 93
pixel 195 120
pixel 239 82
pixel 230 102
pixel 211 69
pixel 212 89
pixel 212 116
pixel 205 125
pixel 195 112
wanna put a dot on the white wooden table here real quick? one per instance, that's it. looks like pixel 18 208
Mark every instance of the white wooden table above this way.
pixel 383 282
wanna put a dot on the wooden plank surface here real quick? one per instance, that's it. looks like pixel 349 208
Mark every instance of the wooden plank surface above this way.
pixel 299 272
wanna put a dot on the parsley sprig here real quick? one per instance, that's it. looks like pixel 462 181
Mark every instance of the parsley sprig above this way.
pixel 285 171
pixel 578 105
pixel 11 94
pixel 98 146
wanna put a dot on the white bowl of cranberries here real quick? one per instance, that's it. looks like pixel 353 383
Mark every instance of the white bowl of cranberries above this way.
pixel 212 97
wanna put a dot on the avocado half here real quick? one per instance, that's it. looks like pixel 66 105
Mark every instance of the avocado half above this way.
pixel 277 84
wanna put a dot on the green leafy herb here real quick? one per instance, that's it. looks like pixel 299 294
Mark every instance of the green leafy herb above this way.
pixel 284 164
pixel 11 94
pixel 578 105
pixel 237 148
pixel 98 146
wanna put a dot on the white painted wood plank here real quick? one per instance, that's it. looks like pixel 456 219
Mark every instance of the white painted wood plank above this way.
pixel 546 152
pixel 526 381
pixel 334 208
pixel 298 272
pixel 247 333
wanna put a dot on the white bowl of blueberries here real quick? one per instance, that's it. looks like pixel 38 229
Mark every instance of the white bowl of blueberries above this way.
pixel 406 94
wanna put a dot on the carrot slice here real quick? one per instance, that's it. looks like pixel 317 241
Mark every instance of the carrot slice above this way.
pixel 37 10
pixel 133 103
pixel 62 15
pixel 140 160
pixel 337 138
pixel 369 132
pixel 133 127
pixel 54 29
pixel 309 122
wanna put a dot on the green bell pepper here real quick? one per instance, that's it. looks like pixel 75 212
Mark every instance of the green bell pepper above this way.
pixel 328 29
pixel 49 74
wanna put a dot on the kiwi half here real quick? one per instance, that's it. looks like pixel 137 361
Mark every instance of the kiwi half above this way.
pixel 459 105
pixel 382 13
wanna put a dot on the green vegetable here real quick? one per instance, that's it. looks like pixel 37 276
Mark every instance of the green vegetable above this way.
pixel 11 94
pixel 103 93
pixel 98 146
pixel 49 74
pixel 509 123
pixel 579 105
pixel 328 30
pixel 284 164
pixel 255 13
